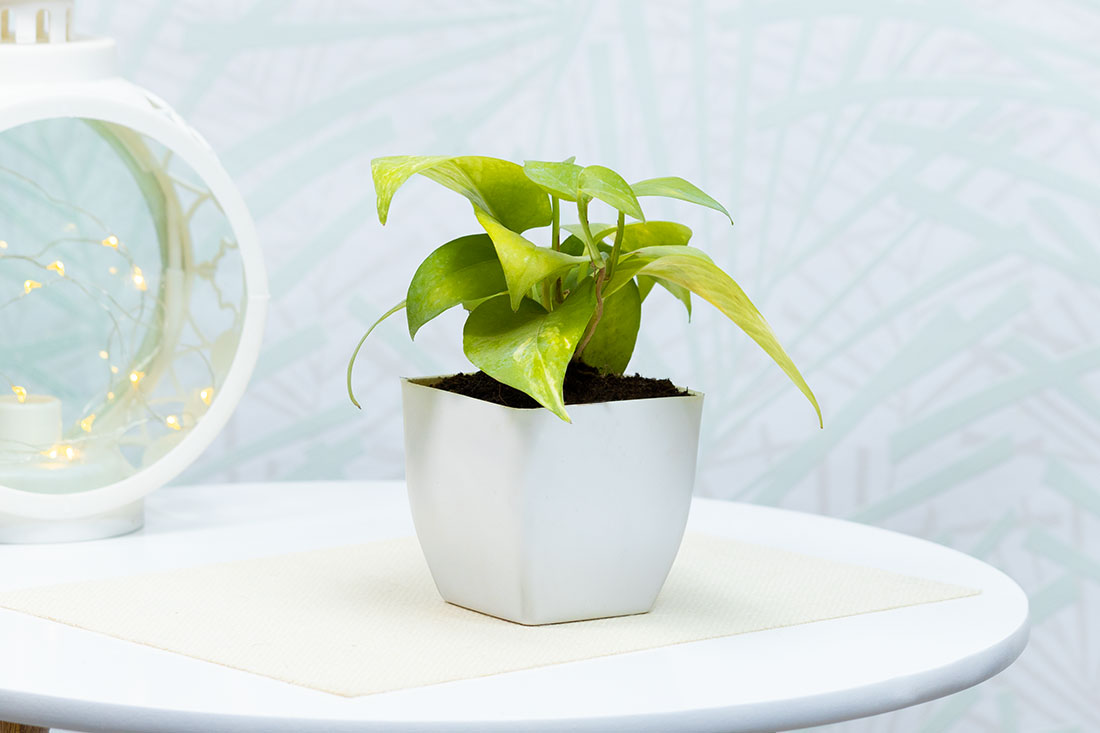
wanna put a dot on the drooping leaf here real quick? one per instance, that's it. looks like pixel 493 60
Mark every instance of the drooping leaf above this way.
pixel 525 264
pixel 632 263
pixel 613 341
pixel 498 187
pixel 675 187
pixel 462 270
pixel 355 354
pixel 608 186
pixel 709 282
pixel 560 179
pixel 529 348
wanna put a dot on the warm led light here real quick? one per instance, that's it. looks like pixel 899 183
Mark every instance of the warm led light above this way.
pixel 139 279
pixel 20 393
pixel 3 244
pixel 110 395
pixel 113 270
pixel 103 355
pixel 111 241
pixel 29 285
pixel 136 377
pixel 86 423
pixel 114 369
pixel 206 395
pixel 173 422
pixel 62 451
pixel 57 266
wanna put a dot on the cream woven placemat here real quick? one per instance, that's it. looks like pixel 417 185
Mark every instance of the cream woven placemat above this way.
pixel 366 619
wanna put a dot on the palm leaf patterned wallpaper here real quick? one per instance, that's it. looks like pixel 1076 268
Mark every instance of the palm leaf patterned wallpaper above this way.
pixel 916 189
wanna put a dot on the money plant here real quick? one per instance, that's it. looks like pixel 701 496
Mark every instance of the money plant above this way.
pixel 535 308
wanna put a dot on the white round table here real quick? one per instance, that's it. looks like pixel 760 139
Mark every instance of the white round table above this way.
pixel 57 676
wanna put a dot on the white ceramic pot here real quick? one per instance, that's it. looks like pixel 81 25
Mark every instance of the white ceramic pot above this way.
pixel 528 518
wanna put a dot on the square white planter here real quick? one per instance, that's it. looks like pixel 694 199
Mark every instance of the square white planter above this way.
pixel 528 518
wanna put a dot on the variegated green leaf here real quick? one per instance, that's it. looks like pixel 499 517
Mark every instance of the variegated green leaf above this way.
pixel 525 264
pixel 462 270
pixel 677 188
pixel 578 231
pixel 604 184
pixel 498 187
pixel 646 234
pixel 632 263
pixel 613 341
pixel 529 348
pixel 559 179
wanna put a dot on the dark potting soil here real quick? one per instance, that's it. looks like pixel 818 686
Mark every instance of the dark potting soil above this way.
pixel 583 385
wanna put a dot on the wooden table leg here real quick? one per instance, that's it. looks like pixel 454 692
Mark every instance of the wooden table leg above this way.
pixel 17 728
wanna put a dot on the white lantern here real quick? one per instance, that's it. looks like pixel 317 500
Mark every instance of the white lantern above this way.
pixel 132 291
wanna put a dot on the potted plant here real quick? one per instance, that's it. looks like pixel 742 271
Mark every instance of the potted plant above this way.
pixel 575 511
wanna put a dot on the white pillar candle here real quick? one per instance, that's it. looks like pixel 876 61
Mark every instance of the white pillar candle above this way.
pixel 35 420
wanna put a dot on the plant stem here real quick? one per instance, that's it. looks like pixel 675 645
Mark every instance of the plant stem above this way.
pixel 555 228
pixel 589 242
pixel 619 228
pixel 601 277
pixel 555 242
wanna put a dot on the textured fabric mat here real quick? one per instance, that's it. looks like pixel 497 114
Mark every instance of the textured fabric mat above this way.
pixel 366 619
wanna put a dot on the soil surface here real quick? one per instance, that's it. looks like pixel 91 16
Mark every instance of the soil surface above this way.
pixel 583 385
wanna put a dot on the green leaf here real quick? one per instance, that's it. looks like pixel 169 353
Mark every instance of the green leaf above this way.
pixel 578 231
pixel 709 282
pixel 613 341
pixel 608 186
pixel 355 354
pixel 632 263
pixel 674 187
pixel 646 234
pixel 529 348
pixel 525 263
pixel 498 187
pixel 559 179
pixel 572 245
pixel 462 270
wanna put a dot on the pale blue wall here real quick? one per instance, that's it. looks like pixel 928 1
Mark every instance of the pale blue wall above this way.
pixel 915 186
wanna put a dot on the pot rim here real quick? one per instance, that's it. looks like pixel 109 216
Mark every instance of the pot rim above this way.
pixel 427 382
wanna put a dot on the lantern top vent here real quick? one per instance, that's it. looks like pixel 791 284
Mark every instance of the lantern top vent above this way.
pixel 36 21
pixel 38 44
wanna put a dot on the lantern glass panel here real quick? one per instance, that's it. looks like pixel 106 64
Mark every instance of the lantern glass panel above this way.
pixel 122 299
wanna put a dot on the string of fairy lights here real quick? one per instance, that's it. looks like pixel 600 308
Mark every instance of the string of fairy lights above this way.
pixel 122 383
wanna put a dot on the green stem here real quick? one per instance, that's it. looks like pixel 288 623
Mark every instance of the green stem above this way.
pixel 555 229
pixel 615 250
pixel 589 242
pixel 556 224
pixel 601 277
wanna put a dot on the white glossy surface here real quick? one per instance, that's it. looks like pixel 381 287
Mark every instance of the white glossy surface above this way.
pixel 508 529
pixel 785 678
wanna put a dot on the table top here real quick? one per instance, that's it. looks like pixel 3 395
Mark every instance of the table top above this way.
pixel 779 679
